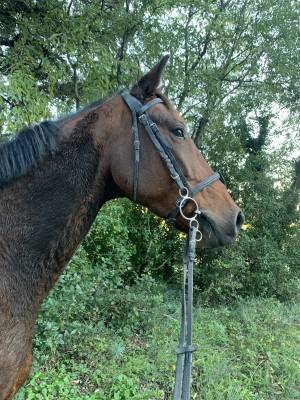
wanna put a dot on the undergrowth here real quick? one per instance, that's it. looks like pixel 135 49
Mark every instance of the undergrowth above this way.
pixel 98 340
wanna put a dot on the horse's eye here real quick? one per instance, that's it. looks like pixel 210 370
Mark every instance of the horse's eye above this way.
pixel 179 132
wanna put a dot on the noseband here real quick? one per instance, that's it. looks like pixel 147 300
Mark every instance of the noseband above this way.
pixel 186 194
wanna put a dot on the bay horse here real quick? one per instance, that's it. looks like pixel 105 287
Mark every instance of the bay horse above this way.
pixel 54 178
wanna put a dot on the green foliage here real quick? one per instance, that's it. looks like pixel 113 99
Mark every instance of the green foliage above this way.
pixel 253 267
pixel 233 72
pixel 246 351
pixel 251 352
pixel 127 241
pixel 265 260
pixel 232 64
pixel 227 59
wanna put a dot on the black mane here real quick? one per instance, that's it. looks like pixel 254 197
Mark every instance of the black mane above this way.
pixel 30 146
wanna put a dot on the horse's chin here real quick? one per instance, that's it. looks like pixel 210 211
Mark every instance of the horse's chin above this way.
pixel 210 241
pixel 212 235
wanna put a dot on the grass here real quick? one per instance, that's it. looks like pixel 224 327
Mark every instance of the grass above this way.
pixel 119 344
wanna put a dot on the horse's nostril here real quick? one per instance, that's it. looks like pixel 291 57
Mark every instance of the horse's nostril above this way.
pixel 240 219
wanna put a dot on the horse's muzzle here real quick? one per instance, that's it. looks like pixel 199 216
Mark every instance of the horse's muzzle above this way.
pixel 219 233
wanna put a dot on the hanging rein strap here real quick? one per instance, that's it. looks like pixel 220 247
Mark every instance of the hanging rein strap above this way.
pixel 186 348
pixel 186 194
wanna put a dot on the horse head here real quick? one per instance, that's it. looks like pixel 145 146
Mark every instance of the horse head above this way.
pixel 142 173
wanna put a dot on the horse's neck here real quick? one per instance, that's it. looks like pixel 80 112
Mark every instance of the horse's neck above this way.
pixel 45 215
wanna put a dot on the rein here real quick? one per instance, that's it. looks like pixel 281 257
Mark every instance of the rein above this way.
pixel 140 115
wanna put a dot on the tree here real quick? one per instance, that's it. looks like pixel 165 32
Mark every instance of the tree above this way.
pixel 233 65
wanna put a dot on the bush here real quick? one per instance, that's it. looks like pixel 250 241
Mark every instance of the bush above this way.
pixel 128 241
pixel 129 307
pixel 252 267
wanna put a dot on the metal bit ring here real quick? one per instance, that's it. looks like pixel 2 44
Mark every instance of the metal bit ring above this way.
pixel 183 201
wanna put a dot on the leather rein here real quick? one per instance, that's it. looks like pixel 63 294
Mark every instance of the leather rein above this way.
pixel 140 115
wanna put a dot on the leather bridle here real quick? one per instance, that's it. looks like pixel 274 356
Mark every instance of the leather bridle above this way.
pixel 140 115
pixel 164 147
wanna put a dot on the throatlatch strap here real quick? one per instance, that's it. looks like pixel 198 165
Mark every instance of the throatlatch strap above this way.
pixel 137 152
pixel 137 108
pixel 134 104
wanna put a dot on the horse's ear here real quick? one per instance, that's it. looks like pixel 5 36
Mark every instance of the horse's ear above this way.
pixel 146 86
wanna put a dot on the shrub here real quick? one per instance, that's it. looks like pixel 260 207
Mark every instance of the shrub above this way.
pixel 128 241
pixel 255 266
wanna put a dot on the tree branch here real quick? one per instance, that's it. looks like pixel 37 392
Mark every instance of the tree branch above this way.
pixel 8 101
pixel 69 7
pixel 75 82
pixel 9 42
pixel 184 92
pixel 296 181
